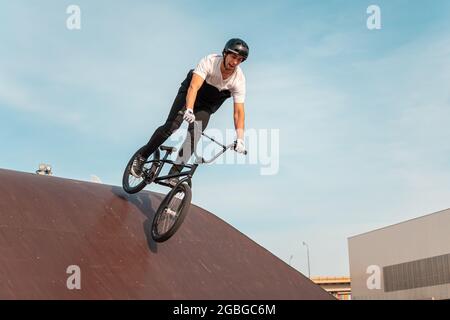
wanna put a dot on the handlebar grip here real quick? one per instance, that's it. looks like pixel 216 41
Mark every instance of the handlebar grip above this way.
pixel 234 145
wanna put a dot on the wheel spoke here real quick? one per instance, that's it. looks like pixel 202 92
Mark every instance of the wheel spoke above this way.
pixel 167 218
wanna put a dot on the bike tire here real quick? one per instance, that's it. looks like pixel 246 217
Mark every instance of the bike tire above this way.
pixel 145 179
pixel 181 213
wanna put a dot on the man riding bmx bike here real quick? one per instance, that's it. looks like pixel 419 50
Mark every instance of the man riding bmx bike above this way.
pixel 215 79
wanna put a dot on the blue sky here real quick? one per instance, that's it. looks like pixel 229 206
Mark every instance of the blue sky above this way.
pixel 362 115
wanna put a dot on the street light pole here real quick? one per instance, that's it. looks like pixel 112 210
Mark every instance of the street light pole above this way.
pixel 290 259
pixel 307 252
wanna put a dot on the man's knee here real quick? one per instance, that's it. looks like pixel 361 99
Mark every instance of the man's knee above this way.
pixel 169 127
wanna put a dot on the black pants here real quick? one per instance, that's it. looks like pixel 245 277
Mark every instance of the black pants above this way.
pixel 173 123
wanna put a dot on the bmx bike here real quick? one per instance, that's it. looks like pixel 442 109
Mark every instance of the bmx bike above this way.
pixel 175 206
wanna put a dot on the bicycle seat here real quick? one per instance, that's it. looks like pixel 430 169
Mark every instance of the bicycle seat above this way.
pixel 169 149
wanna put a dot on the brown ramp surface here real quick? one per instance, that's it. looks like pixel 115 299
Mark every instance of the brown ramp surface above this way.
pixel 49 224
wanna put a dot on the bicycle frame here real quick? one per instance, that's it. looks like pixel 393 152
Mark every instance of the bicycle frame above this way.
pixel 187 174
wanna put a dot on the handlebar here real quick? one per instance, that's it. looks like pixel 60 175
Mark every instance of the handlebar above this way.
pixel 181 112
pixel 224 149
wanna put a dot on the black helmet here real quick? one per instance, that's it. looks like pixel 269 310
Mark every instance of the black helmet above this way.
pixel 237 46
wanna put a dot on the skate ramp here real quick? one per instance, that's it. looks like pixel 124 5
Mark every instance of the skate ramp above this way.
pixel 49 224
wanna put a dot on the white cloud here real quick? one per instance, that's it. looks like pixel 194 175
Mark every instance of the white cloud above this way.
pixel 104 80
pixel 17 97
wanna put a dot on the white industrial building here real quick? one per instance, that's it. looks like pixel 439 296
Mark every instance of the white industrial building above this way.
pixel 409 260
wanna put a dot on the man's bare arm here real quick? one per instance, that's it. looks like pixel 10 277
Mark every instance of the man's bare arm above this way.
pixel 195 85
pixel 239 120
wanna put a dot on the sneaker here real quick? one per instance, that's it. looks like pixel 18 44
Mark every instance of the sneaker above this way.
pixel 136 167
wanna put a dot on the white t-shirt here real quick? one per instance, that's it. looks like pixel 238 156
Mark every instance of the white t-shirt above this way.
pixel 209 69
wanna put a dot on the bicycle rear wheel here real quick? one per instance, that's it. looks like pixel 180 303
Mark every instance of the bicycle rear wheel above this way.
pixel 130 183
pixel 171 212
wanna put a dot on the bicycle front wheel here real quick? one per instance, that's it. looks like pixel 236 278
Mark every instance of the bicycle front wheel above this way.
pixel 171 212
